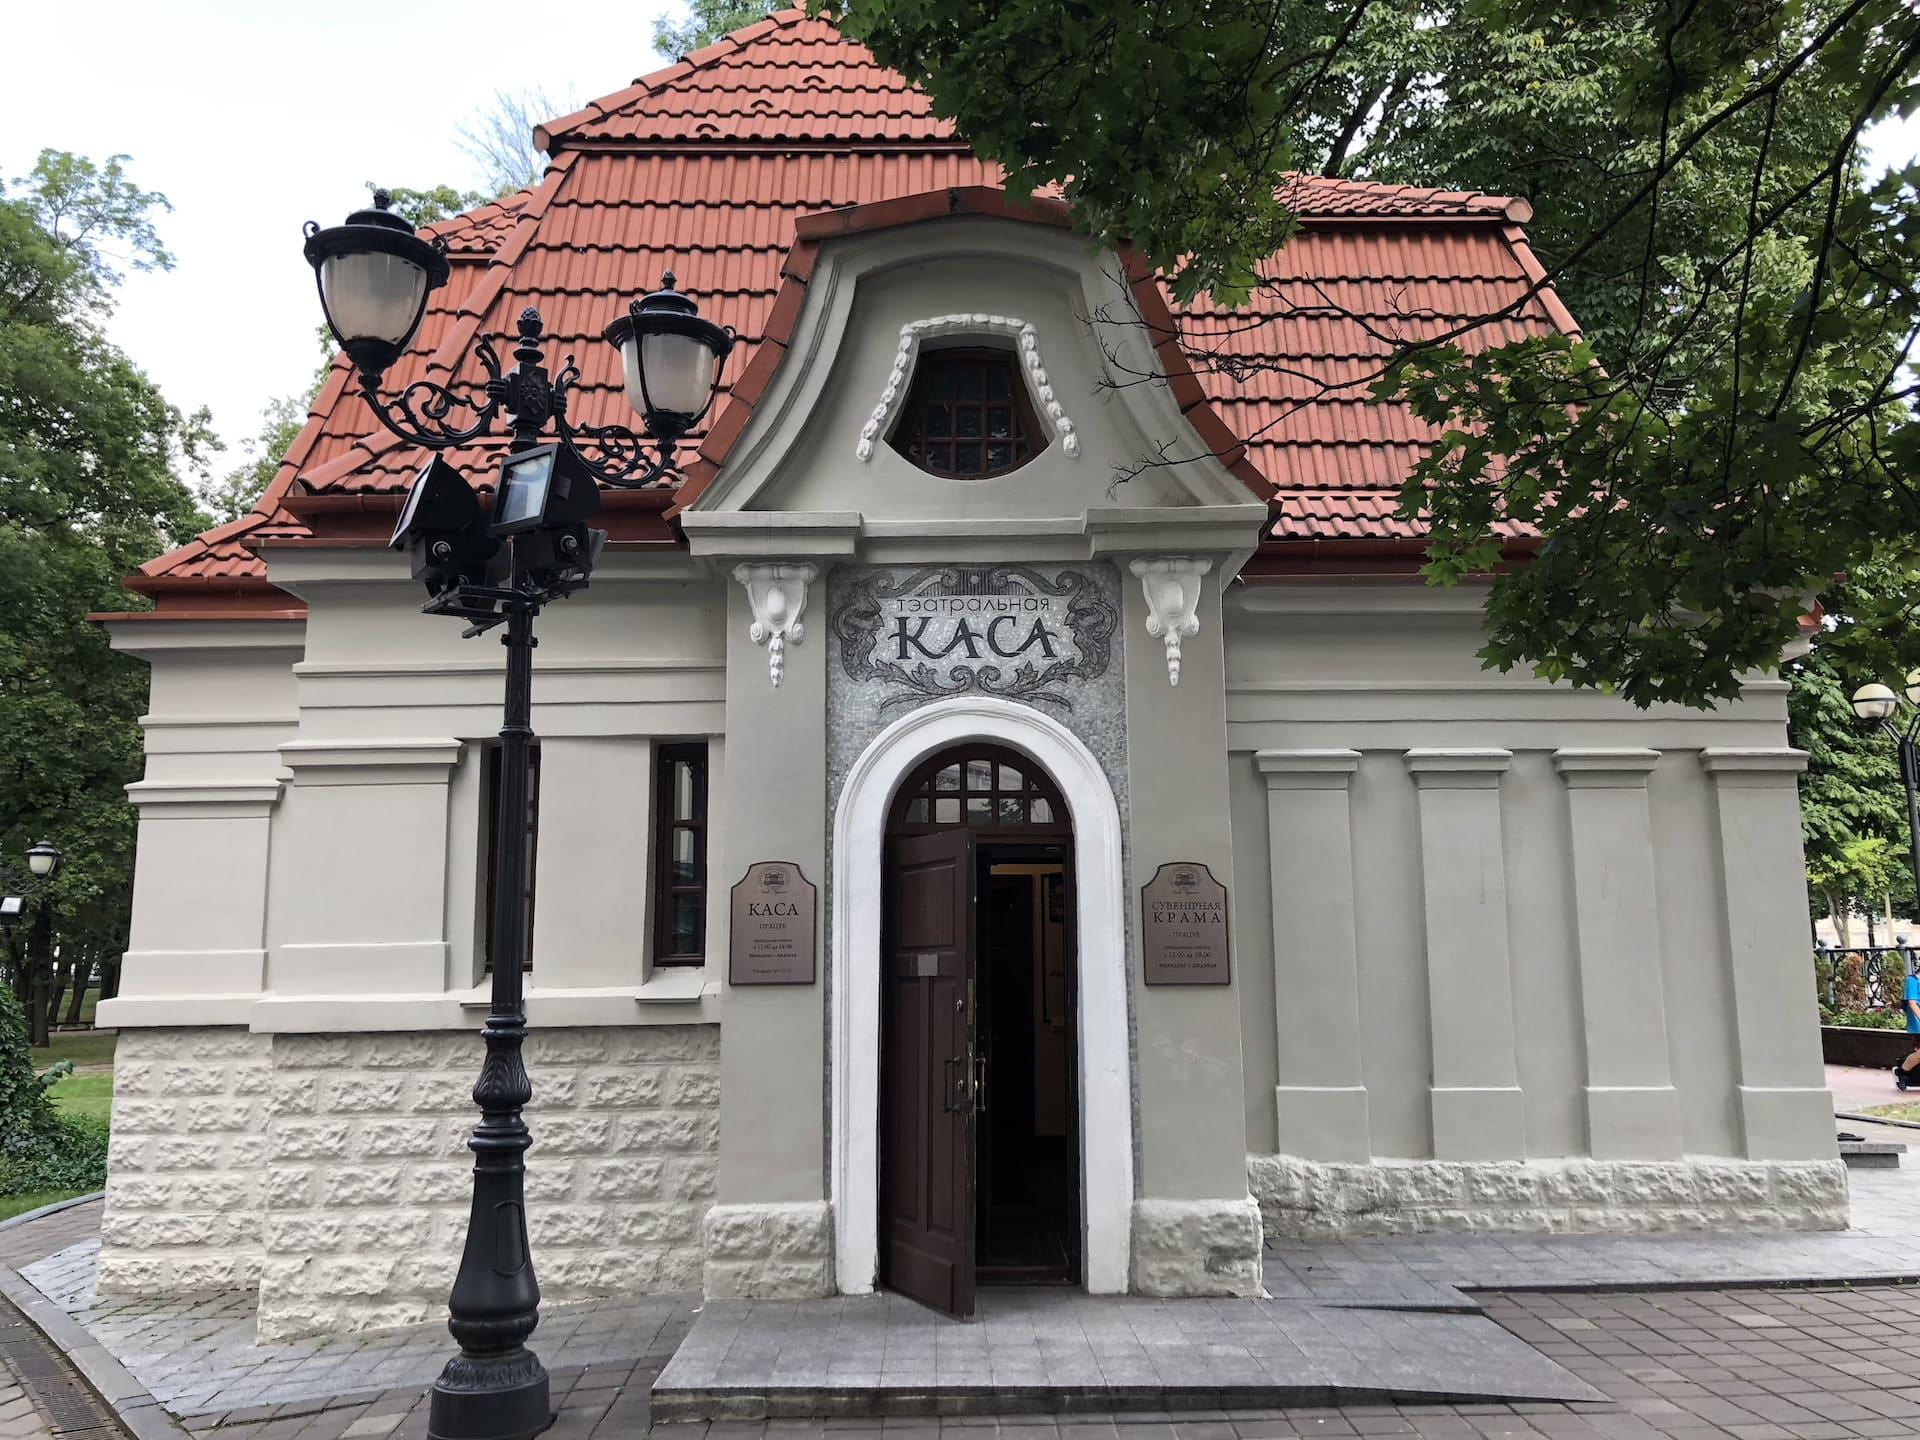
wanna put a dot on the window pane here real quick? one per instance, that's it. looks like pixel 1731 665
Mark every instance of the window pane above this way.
pixel 1010 810
pixel 999 382
pixel 966 382
pixel 1011 779
pixel 917 811
pixel 684 925
pixel 947 779
pixel 979 810
pixel 979 775
pixel 682 790
pixel 684 870
pixel 939 457
pixel 1042 811
pixel 998 457
pixel 946 810
pixel 936 421
pixel 966 459
pixel 1000 422
pixel 966 421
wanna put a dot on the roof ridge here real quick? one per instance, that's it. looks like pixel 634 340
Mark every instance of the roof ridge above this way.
pixel 548 134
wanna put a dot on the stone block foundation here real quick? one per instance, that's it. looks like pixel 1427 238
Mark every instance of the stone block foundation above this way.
pixel 1196 1247
pixel 769 1252
pixel 1308 1199
pixel 332 1170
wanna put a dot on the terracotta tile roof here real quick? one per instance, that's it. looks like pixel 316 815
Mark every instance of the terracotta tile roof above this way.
pixel 716 165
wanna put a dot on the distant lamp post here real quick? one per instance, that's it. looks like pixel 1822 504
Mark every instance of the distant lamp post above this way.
pixel 43 864
pixel 1878 705
pixel 499 567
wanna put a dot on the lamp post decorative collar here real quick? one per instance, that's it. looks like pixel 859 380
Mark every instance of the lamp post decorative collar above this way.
pixel 374 274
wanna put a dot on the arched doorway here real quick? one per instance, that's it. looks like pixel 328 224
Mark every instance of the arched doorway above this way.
pixel 979 1152
pixel 1104 1070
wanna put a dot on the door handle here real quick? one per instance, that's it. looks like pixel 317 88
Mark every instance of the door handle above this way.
pixel 980 1085
pixel 957 1100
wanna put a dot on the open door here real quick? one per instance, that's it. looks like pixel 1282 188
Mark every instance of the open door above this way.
pixel 927 1071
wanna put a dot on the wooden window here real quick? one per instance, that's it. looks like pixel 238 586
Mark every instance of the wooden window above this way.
pixel 680 855
pixel 530 836
pixel 968 416
pixel 983 787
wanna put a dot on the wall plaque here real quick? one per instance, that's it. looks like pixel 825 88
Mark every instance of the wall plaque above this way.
pixel 1012 631
pixel 1183 926
pixel 771 937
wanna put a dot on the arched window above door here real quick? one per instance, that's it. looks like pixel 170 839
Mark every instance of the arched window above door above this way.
pixel 980 787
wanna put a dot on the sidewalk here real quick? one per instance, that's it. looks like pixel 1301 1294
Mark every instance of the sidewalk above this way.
pixel 1435 1307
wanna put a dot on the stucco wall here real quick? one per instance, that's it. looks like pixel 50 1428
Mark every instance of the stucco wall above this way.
pixel 1624 855
pixel 334 1171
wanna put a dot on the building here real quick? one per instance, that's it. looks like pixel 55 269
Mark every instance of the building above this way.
pixel 1144 823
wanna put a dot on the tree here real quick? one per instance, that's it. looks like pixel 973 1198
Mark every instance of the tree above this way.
pixel 90 455
pixel 1734 427
pixel 499 139
pixel 706 21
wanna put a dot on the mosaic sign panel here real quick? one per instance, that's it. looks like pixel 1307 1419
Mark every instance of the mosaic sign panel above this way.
pixel 1183 926
pixel 1009 631
pixel 772 937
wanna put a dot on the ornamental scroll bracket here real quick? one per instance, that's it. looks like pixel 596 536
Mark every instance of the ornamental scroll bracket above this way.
pixel 1172 586
pixel 1026 340
pixel 778 595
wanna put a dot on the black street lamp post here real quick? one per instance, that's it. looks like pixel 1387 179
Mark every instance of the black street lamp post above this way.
pixel 43 864
pixel 375 275
pixel 1878 705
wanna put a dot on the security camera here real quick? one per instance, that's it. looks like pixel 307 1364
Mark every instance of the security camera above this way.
pixel 444 530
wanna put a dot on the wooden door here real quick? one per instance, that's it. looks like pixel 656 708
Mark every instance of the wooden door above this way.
pixel 927 1071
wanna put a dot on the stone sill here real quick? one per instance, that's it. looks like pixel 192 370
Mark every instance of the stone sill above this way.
pixel 672 998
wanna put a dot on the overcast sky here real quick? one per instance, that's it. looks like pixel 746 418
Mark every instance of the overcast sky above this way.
pixel 254 117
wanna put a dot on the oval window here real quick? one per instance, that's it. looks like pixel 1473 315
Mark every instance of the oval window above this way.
pixel 967 416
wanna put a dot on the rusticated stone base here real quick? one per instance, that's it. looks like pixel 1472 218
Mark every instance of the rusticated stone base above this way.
pixel 1307 1199
pixel 1196 1247
pixel 333 1170
pixel 769 1252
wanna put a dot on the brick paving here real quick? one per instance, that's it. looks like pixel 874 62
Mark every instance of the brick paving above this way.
pixel 40 1395
pixel 1743 1364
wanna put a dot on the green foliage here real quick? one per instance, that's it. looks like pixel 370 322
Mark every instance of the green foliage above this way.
pixel 40 1149
pixel 89 455
pixel 706 21
pixel 426 207
pixel 1851 791
pixel 1733 428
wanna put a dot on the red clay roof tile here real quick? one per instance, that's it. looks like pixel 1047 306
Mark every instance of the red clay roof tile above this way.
pixel 729 166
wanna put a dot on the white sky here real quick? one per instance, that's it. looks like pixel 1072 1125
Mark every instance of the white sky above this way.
pixel 254 117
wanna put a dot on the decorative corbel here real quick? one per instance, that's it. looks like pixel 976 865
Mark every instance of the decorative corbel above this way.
pixel 778 595
pixel 1172 585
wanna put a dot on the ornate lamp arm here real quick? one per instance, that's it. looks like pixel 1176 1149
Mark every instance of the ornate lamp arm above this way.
pixel 420 413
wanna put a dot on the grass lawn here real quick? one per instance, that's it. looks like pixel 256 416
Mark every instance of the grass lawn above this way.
pixel 90 1094
pixel 83 1047
pixel 1907 1110
pixel 12 1205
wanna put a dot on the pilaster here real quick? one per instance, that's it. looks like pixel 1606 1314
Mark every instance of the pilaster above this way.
pixel 1786 1113
pixel 1633 1112
pixel 1321 1097
pixel 1477 1108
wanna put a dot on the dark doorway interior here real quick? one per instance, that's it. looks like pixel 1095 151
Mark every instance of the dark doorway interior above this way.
pixel 1028 1211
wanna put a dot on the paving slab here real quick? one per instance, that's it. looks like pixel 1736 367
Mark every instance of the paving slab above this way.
pixel 1056 1351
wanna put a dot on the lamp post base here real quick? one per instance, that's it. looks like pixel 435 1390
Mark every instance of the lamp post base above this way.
pixel 490 1397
